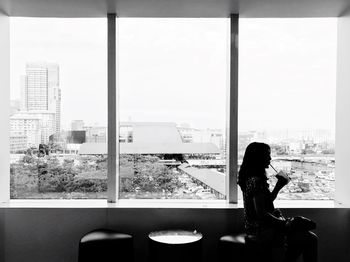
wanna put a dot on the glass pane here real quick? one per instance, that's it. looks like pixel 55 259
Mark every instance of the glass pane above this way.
pixel 58 116
pixel 287 99
pixel 172 80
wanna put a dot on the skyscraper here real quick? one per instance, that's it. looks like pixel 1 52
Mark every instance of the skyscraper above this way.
pixel 37 125
pixel 40 90
pixel 25 131
pixel 57 104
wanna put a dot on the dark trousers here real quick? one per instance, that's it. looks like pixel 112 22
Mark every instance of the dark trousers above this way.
pixel 301 243
pixel 288 248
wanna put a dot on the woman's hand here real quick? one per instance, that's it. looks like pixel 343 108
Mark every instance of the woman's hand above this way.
pixel 277 213
pixel 282 179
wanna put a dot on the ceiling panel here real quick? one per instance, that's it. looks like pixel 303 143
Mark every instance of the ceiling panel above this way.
pixel 174 8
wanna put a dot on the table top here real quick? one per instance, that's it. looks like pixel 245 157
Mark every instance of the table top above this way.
pixel 175 236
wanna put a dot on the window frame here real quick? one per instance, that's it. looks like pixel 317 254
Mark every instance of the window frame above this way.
pixel 113 172
pixel 231 114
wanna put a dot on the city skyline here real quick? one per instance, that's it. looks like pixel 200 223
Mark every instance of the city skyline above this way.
pixel 82 60
pixel 37 117
pixel 172 81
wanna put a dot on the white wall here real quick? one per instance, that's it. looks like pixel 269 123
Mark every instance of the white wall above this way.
pixel 343 112
pixel 4 106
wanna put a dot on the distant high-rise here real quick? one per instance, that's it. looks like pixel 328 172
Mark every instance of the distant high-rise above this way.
pixel 36 125
pixel 25 131
pixel 40 90
pixel 57 107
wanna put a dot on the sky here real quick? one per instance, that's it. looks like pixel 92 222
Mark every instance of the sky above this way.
pixel 287 73
pixel 176 70
pixel 79 47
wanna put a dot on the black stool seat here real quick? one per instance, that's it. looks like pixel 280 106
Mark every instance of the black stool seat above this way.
pixel 242 247
pixel 105 245
pixel 232 248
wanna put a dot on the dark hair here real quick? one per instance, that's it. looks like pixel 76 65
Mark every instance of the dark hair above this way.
pixel 254 161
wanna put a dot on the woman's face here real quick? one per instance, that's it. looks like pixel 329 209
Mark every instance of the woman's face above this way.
pixel 267 159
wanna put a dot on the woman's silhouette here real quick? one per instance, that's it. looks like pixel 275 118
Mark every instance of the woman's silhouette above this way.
pixel 262 220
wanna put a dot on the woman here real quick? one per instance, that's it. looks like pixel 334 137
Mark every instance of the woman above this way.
pixel 262 220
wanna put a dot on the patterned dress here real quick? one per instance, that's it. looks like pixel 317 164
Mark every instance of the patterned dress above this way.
pixel 265 232
pixel 255 186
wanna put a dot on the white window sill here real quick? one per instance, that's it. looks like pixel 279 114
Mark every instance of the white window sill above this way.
pixel 305 204
pixel 214 204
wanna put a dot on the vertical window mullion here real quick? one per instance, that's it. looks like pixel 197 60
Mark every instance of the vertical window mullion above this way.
pixel 112 176
pixel 5 108
pixel 232 130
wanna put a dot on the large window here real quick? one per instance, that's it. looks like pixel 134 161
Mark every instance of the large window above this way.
pixel 172 83
pixel 172 92
pixel 58 122
pixel 287 99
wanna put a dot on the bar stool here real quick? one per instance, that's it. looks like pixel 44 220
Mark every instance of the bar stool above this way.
pixel 105 245
pixel 175 246
pixel 242 247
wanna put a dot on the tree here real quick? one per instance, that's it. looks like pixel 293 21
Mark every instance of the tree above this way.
pixel 54 147
pixel 149 175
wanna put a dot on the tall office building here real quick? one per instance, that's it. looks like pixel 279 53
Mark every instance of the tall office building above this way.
pixel 40 122
pixel 40 90
pixel 57 108
pixel 25 131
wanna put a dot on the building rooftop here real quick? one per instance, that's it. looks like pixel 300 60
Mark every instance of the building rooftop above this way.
pixel 151 148
pixel 154 132
pixel 210 177
pixel 152 138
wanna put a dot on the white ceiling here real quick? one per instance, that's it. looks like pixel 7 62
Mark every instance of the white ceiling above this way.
pixel 174 8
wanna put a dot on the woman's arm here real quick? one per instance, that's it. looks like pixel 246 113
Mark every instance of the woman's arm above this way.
pixel 279 185
pixel 282 180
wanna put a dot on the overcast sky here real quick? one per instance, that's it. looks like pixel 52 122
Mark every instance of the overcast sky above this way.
pixel 176 69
